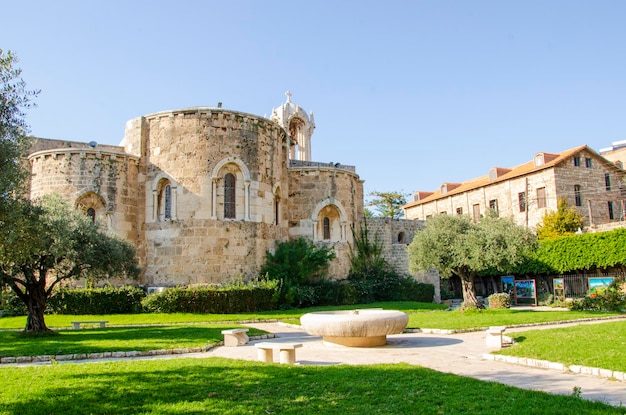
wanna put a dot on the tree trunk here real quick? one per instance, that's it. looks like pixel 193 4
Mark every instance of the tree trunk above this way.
pixel 469 295
pixel 36 306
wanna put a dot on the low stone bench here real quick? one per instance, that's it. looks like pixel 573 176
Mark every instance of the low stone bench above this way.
pixel 494 336
pixel 77 324
pixel 265 351
pixel 235 337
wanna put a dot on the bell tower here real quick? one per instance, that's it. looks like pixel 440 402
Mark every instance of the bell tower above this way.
pixel 299 127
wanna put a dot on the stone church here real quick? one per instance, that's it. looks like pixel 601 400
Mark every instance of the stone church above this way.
pixel 204 192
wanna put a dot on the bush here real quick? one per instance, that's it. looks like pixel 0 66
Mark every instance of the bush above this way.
pixel 107 300
pixel 295 263
pixel 12 305
pixel 499 300
pixel 233 298
pixel 613 299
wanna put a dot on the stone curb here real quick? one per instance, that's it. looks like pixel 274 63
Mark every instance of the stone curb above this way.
pixel 546 364
pixel 128 354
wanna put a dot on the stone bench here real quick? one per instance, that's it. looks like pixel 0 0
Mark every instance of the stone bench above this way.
pixel 494 336
pixel 265 351
pixel 77 324
pixel 235 337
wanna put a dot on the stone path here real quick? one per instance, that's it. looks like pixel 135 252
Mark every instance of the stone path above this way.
pixel 460 354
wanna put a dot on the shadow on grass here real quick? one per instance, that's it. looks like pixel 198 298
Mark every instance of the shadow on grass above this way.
pixel 219 386
pixel 110 340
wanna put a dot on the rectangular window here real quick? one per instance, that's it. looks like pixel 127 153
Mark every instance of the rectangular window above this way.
pixel 459 211
pixel 587 162
pixel 607 181
pixel 493 205
pixel 611 212
pixel 541 197
pixel 578 197
pixel 521 197
pixel 577 161
pixel 476 212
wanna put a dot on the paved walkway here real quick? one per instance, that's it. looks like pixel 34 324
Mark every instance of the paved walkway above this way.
pixel 460 354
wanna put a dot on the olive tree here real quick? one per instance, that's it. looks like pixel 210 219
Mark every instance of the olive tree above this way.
pixel 455 245
pixel 49 242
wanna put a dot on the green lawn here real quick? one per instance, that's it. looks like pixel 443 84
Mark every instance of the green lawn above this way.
pixel 61 320
pixel 221 386
pixel 455 320
pixel 116 339
pixel 594 345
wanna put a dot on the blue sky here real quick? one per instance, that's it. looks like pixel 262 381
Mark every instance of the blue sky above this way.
pixel 414 93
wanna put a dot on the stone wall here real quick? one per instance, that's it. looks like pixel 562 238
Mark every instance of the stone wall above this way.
pixel 105 180
pixel 319 192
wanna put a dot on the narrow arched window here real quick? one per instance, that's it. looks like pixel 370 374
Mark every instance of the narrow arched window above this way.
pixel 326 228
pixel 276 210
pixel 91 212
pixel 168 202
pixel 401 238
pixel 164 201
pixel 229 196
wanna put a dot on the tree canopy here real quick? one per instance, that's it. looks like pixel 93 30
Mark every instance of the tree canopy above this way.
pixel 455 245
pixel 51 242
pixel 566 220
pixel 388 204
pixel 15 99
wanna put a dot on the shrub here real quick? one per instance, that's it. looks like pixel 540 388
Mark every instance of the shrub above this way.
pixel 613 299
pixel 228 299
pixel 295 263
pixel 107 300
pixel 499 300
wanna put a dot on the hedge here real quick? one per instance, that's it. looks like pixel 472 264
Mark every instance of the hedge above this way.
pixel 213 300
pixel 591 251
pixel 107 300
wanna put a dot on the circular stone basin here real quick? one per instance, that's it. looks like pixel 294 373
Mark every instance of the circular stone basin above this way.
pixel 355 328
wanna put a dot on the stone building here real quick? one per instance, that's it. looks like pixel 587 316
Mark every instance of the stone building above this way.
pixel 587 180
pixel 204 192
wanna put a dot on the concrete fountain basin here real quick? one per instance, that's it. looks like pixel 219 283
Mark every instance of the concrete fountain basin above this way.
pixel 355 328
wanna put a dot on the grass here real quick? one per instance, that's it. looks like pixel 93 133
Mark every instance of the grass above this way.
pixel 455 320
pixel 593 345
pixel 13 343
pixel 221 386
pixel 61 320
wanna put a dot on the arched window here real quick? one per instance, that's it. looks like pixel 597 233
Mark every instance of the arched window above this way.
pixel 229 196
pixel 326 228
pixel 91 212
pixel 276 210
pixel 164 200
pixel 401 238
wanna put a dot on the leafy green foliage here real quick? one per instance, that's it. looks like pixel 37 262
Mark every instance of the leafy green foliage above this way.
pixel 14 142
pixel 611 299
pixel 295 263
pixel 565 221
pixel 456 245
pixel 250 297
pixel 374 279
pixel 106 300
pixel 586 252
pixel 50 243
pixel 388 204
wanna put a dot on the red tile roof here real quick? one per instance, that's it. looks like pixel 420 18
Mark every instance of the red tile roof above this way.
pixel 503 174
